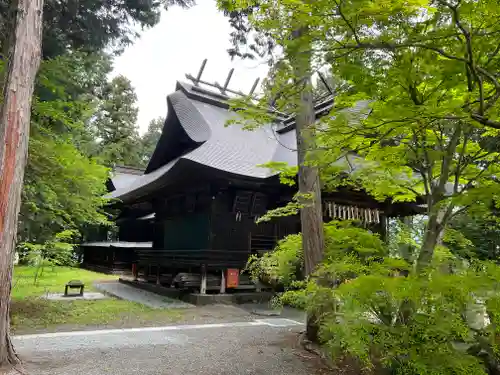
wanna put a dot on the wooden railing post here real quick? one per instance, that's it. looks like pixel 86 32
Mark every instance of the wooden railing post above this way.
pixel 223 282
pixel 203 286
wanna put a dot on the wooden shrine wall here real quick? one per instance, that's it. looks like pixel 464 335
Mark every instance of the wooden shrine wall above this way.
pixel 182 220
pixel 136 231
pixel 181 235
pixel 189 232
pixel 233 223
pixel 215 225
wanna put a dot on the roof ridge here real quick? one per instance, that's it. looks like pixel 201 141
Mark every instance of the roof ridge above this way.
pixel 203 94
pixel 129 169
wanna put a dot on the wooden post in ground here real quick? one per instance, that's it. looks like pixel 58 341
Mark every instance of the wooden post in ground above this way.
pixel 22 63
pixel 223 282
pixel 135 273
pixel 203 284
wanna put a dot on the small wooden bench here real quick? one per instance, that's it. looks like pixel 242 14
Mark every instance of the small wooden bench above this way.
pixel 74 284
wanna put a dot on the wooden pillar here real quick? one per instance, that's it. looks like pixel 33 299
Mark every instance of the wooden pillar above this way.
pixel 223 282
pixel 203 284
pixel 157 275
pixel 135 273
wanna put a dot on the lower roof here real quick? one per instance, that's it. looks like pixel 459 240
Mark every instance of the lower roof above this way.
pixel 122 244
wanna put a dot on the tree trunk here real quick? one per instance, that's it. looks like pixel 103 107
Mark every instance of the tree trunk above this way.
pixel 432 237
pixel 23 63
pixel 311 215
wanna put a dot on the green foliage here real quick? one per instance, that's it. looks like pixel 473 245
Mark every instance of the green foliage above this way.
pixel 418 123
pixel 284 265
pixel 57 251
pixel 422 105
pixel 115 124
pixel 290 209
pixel 79 119
pixel 442 322
pixel 346 237
pixel 404 237
pixel 91 25
pixel 479 237
pixel 62 189
pixel 378 310
pixel 288 174
pixel 63 186
pixel 72 76
pixel 414 324
pixel 150 139
pixel 280 267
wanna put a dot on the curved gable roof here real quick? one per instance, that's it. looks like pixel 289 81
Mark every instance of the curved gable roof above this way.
pixel 184 130
pixel 195 132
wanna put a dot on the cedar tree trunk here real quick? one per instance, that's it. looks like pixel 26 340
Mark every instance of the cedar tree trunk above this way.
pixel 22 66
pixel 311 216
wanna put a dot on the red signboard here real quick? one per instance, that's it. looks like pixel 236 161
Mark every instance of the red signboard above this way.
pixel 233 278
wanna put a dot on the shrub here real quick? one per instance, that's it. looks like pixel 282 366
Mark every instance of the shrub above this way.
pixel 437 323
pixel 58 251
pixel 376 310
pixel 284 265
pixel 280 267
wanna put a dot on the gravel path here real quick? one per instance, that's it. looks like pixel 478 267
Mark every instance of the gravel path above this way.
pixel 144 297
pixel 248 348
pixel 267 309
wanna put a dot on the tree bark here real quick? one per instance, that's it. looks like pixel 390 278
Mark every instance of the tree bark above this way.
pixel 432 237
pixel 23 64
pixel 311 215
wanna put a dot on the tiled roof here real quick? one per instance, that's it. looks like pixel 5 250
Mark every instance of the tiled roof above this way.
pixel 211 143
pixel 122 176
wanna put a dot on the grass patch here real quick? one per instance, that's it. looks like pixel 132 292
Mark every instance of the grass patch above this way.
pixel 30 313
pixel 39 314
pixel 52 280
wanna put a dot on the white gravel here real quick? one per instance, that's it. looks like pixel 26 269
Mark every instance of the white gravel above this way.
pixel 259 348
pixel 90 296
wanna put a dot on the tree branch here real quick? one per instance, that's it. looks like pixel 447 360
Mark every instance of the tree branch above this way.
pixel 485 121
pixel 349 25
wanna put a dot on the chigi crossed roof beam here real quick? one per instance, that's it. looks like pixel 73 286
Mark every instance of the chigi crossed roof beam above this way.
pixel 224 89
pixel 324 102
